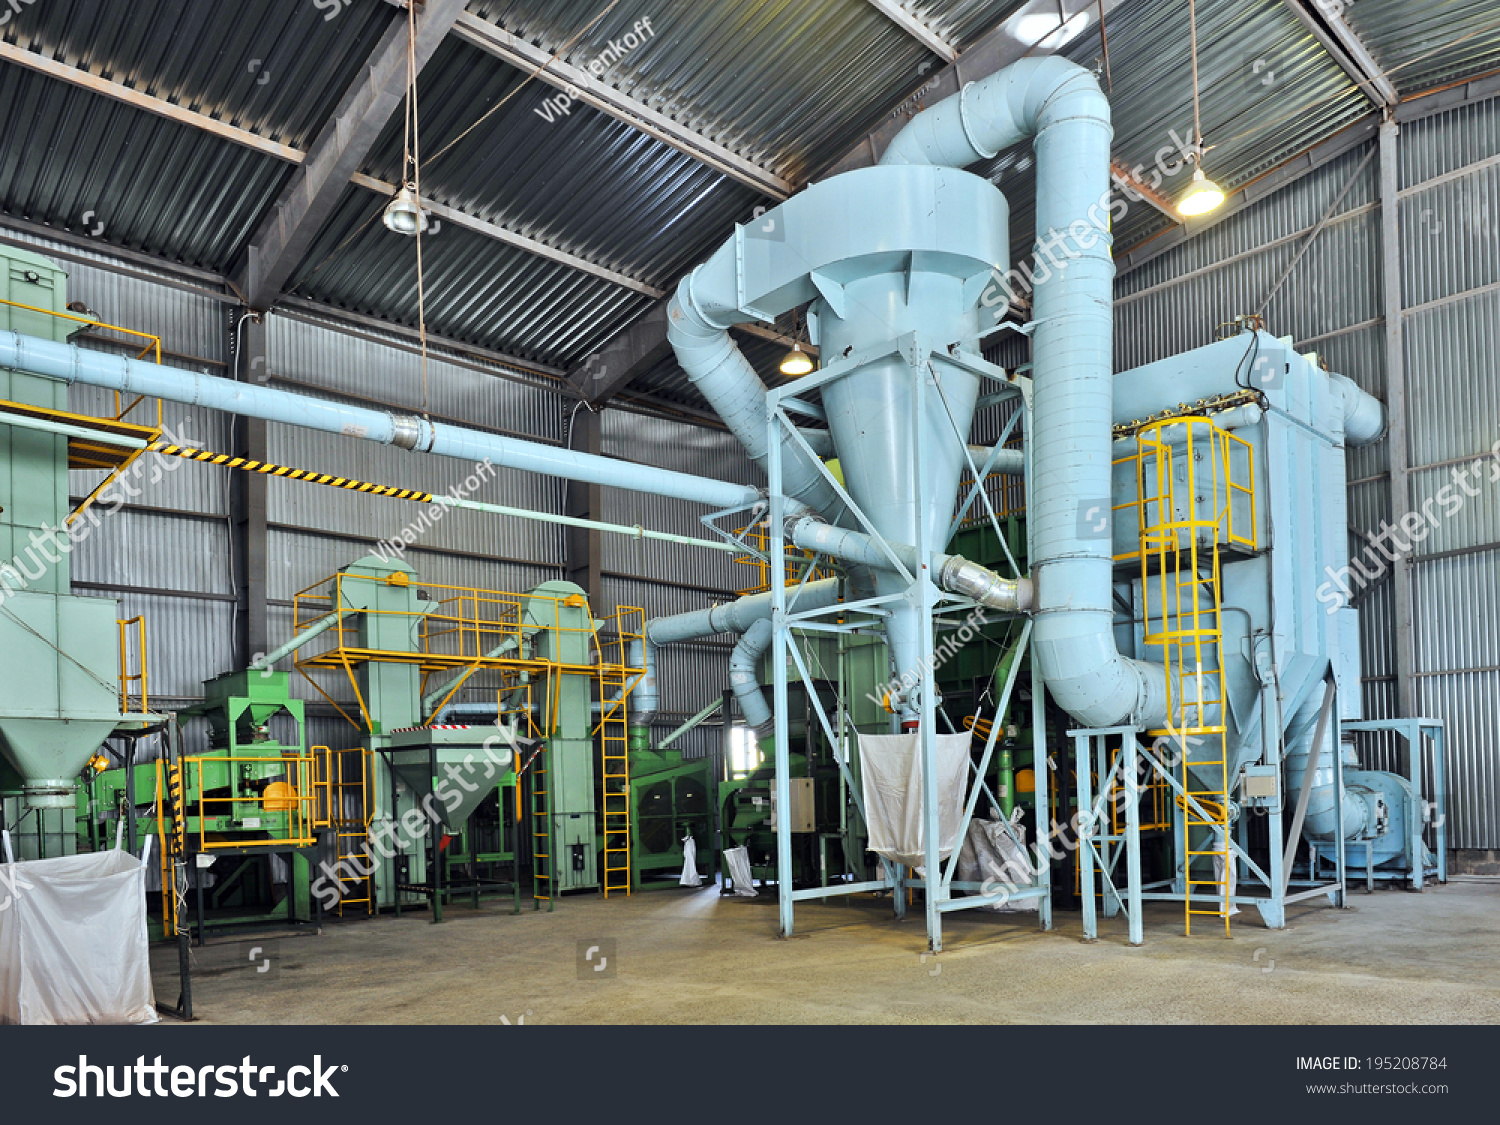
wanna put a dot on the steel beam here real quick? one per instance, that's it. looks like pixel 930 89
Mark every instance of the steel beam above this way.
pixel 284 235
pixel 1129 182
pixel 1346 48
pixel 1395 402
pixel 602 96
pixel 915 27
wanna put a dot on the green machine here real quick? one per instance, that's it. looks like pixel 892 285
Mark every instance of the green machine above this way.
pixel 59 654
pixel 670 800
pixel 250 797
pixel 563 790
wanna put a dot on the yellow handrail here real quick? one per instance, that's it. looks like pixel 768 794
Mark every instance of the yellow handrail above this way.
pixel 126 677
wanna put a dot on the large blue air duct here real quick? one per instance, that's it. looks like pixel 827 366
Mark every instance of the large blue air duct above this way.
pixel 1061 106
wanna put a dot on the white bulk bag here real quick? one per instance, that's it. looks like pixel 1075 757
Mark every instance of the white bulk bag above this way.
pixel 690 876
pixel 891 766
pixel 73 944
pixel 738 860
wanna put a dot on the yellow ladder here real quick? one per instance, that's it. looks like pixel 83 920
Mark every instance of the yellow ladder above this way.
pixel 1185 500
pixel 542 842
pixel 614 738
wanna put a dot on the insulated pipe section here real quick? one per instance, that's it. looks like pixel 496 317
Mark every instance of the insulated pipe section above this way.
pixel 953 573
pixel 1364 415
pixel 1059 104
pixel 744 676
pixel 645 694
pixel 130 376
pixel 722 374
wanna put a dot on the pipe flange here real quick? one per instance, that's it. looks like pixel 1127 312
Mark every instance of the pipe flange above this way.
pixel 963 119
pixel 406 431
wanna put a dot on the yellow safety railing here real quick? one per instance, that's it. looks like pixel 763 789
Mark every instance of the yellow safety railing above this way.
pixel 154 345
pixel 344 805
pixel 1005 492
pixel 295 798
pixel 127 678
pixel 797 560
pixel 456 629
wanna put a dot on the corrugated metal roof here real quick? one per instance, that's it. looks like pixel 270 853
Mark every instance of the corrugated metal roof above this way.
pixel 158 186
pixel 1431 43
pixel 477 290
pixel 269 66
pixel 583 182
pixel 787 85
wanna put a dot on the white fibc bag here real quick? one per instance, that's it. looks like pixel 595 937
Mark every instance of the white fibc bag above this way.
pixel 690 876
pixel 73 944
pixel 738 860
pixel 891 767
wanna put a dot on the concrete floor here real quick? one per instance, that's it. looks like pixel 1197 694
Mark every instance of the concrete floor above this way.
pixel 688 956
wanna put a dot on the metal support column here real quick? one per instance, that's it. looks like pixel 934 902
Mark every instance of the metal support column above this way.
pixel 247 491
pixel 779 640
pixel 583 551
pixel 926 597
pixel 1395 402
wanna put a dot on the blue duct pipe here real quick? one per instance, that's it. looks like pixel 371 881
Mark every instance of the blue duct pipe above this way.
pixel 131 376
pixel 739 616
pixel 1061 106
pixel 1364 414
pixel 722 374
pixel 744 676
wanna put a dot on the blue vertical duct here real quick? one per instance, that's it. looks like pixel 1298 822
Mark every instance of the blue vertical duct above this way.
pixel 1061 106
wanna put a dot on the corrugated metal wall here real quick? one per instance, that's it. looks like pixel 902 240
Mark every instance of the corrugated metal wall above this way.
pixel 666 578
pixel 1331 302
pixel 1450 221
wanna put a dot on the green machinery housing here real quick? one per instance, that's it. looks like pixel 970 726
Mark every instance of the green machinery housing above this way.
pixel 60 694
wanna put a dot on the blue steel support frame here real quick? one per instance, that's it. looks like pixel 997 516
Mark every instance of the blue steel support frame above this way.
pixel 929 599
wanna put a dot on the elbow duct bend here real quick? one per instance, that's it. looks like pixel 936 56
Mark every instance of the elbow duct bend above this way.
pixel 1061 106
pixel 744 615
pixel 744 677
pixel 1364 414
pixel 716 366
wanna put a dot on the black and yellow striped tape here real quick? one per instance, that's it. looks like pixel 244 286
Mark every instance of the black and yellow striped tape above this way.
pixel 252 466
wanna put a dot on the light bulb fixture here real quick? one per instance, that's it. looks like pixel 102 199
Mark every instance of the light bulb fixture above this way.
pixel 796 362
pixel 1201 197
pixel 403 215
